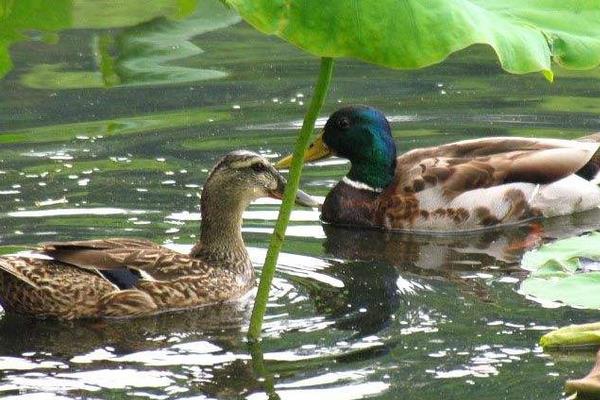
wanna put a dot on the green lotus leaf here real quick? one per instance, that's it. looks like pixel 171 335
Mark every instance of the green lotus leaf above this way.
pixel 526 35
pixel 560 272
pixel 581 291
pixel 564 252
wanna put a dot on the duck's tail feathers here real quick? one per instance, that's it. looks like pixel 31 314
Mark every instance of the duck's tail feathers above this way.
pixel 591 170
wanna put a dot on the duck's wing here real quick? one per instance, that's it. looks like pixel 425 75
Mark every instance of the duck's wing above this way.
pixel 123 261
pixel 89 255
pixel 481 163
pixel 100 244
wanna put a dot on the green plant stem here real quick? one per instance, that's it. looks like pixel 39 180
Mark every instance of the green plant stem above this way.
pixel 308 126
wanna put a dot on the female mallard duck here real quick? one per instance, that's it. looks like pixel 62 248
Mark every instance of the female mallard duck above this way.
pixel 135 277
pixel 465 185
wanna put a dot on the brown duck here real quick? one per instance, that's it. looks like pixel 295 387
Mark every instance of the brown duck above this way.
pixel 461 186
pixel 134 277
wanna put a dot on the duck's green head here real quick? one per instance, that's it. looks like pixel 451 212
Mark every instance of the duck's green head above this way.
pixel 362 135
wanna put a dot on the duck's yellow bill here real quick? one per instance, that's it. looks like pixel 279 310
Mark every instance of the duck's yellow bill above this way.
pixel 316 151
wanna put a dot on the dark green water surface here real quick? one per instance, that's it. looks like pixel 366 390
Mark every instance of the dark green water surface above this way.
pixel 111 115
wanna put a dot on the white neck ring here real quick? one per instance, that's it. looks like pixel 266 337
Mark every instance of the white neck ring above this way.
pixel 360 185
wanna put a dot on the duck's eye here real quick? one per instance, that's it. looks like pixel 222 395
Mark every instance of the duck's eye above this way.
pixel 258 167
pixel 344 123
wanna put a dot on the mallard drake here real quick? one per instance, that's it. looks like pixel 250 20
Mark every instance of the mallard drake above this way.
pixel 461 186
pixel 134 277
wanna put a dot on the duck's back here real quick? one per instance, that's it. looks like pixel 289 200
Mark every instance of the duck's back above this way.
pixel 480 183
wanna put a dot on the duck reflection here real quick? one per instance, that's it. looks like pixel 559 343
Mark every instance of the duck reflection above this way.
pixel 383 271
pixel 502 247
pixel 367 300
pixel 23 334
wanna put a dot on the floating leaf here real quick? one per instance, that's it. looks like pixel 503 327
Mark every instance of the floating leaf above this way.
pixel 573 336
pixel 575 290
pixel 525 35
pixel 565 271
pixel 566 252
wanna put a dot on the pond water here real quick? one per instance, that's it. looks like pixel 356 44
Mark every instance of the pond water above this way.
pixel 112 115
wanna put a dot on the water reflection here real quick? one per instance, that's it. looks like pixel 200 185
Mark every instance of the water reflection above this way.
pixel 71 339
pixel 461 252
pixel 369 298
pixel 141 53
pixel 260 370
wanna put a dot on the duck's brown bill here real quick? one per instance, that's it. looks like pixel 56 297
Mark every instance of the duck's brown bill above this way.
pixel 302 198
pixel 316 151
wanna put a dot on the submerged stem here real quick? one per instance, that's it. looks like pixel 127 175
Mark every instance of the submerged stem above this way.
pixel 268 271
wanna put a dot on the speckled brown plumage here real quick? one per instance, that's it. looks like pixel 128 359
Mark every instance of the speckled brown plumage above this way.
pixel 123 277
